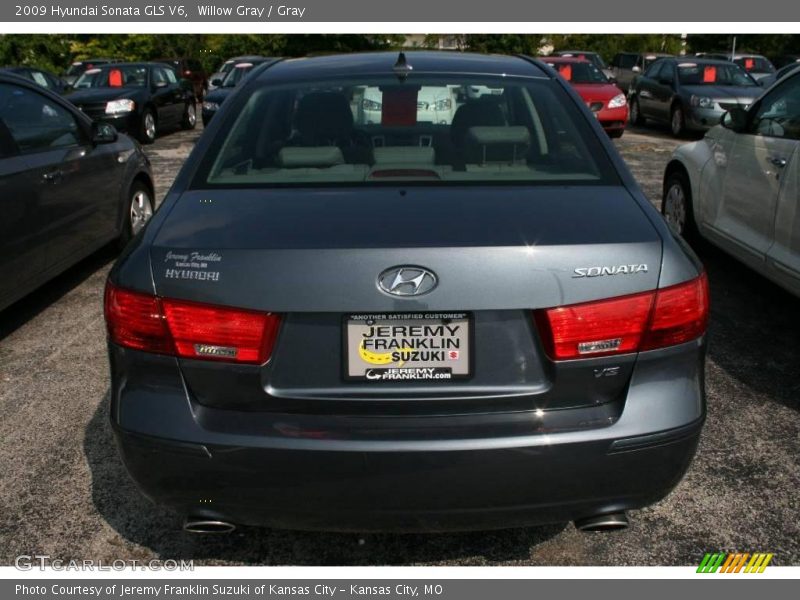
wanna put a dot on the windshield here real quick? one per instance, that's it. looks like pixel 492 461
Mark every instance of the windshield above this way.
pixel 579 72
pixel 236 75
pixel 226 67
pixel 755 64
pixel 698 73
pixel 116 76
pixel 426 130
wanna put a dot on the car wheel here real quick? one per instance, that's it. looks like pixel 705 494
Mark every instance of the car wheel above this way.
pixel 138 211
pixel 189 116
pixel 616 133
pixel 677 206
pixel 677 121
pixel 634 114
pixel 147 127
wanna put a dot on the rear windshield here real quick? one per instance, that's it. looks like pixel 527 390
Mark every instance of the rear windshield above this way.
pixel 384 130
pixel 579 72
pixel 755 64
pixel 698 73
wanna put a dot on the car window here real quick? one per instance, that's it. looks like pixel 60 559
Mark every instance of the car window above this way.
pixel 755 64
pixel 170 76
pixel 378 130
pixel 237 74
pixel 627 61
pixel 159 75
pixel 579 72
pixel 35 122
pixel 667 72
pixel 653 71
pixel 8 147
pixel 40 79
pixel 778 113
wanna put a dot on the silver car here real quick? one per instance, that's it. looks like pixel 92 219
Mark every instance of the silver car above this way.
pixel 739 187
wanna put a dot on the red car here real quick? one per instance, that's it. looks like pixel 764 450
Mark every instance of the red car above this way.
pixel 604 99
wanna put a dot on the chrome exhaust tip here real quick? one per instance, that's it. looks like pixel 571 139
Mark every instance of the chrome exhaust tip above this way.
pixel 607 522
pixel 207 526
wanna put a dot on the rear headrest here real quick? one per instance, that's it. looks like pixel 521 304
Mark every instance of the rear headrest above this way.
pixel 497 144
pixel 323 118
pixel 320 156
pixel 483 112
pixel 404 155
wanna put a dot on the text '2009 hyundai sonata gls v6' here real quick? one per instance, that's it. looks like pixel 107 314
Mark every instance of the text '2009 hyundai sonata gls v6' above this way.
pixel 345 323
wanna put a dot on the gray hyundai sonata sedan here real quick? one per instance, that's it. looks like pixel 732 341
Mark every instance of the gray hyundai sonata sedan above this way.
pixel 406 292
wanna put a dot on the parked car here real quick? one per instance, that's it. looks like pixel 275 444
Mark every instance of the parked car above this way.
pixel 191 70
pixel 235 76
pixel 769 80
pixel 786 59
pixel 67 186
pixel 626 65
pixel 690 95
pixel 739 187
pixel 40 77
pixel 216 79
pixel 604 99
pixel 406 325
pixel 140 98
pixel 592 57
pixel 755 65
pixel 77 68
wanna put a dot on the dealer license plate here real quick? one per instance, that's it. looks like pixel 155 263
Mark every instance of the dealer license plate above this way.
pixel 407 346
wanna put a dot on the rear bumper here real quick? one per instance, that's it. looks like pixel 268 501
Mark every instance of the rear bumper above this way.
pixel 482 488
pixel 425 473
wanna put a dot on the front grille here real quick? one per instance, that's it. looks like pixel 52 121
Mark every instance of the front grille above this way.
pixel 94 109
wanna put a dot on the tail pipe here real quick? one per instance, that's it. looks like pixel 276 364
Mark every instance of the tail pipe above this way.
pixel 207 526
pixel 607 522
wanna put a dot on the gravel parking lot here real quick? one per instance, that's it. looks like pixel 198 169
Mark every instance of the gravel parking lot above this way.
pixel 64 492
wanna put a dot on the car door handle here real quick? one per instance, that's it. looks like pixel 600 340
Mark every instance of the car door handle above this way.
pixel 778 161
pixel 53 176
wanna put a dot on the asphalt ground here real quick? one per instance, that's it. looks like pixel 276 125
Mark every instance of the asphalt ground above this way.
pixel 65 493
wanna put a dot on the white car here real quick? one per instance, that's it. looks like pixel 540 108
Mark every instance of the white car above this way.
pixel 739 187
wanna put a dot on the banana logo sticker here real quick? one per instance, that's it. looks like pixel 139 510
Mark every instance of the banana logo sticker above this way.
pixel 379 358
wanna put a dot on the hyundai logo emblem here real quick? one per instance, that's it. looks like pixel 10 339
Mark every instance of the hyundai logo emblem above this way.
pixel 407 281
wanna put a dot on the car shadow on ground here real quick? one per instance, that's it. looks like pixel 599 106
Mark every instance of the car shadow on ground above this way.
pixel 140 523
pixel 27 308
pixel 753 328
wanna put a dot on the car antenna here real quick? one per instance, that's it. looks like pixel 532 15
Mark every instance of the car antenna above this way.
pixel 401 67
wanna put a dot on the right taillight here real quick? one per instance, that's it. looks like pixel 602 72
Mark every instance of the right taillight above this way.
pixel 189 329
pixel 644 321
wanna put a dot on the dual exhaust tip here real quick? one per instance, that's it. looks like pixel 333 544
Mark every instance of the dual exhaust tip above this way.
pixel 607 522
pixel 204 526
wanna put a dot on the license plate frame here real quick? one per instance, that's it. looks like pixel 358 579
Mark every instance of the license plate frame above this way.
pixel 356 368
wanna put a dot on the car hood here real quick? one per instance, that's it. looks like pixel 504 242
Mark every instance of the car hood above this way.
pixel 732 92
pixel 597 92
pixel 102 94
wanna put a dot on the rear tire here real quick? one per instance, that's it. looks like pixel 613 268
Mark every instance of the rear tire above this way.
pixel 676 206
pixel 139 209
pixel 148 129
pixel 635 114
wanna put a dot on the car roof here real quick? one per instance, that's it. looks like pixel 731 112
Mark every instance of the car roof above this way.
pixel 563 59
pixel 559 52
pixel 701 60
pixel 420 62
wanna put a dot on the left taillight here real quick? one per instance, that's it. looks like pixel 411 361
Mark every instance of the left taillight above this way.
pixel 189 329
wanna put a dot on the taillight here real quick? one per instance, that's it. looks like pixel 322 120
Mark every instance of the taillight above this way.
pixel 645 321
pixel 189 329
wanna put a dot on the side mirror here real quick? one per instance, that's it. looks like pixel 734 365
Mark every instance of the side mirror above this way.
pixel 735 120
pixel 103 133
pixel 216 82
